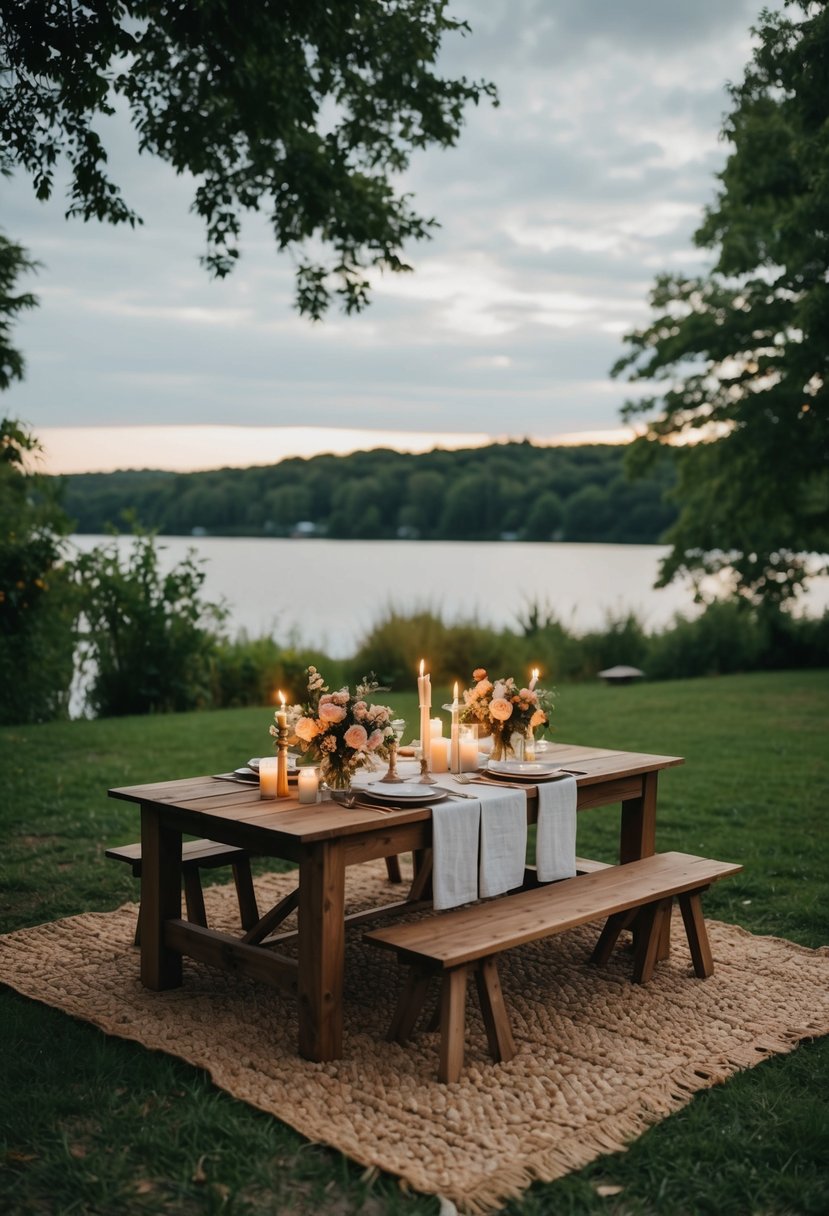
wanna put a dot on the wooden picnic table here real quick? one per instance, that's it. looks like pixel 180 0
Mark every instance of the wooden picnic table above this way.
pixel 323 839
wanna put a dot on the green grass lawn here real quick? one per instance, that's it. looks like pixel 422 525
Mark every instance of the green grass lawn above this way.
pixel 94 1124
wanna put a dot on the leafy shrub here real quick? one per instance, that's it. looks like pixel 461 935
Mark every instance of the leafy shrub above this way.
pixel 150 637
pixel 37 606
pixel 726 637
pixel 250 671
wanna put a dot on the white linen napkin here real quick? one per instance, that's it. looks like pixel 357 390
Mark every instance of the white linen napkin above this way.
pixel 455 828
pixel 503 841
pixel 555 842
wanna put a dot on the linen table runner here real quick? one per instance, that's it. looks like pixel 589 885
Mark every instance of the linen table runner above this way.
pixel 555 842
pixel 503 841
pixel 455 831
pixel 478 847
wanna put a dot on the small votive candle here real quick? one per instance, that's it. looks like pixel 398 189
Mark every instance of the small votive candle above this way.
pixel 468 746
pixel 267 777
pixel 440 755
pixel 308 784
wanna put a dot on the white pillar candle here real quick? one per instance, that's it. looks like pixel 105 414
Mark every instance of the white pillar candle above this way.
pixel 267 777
pixel 454 753
pixel 308 784
pixel 436 731
pixel 440 755
pixel 424 691
pixel 468 747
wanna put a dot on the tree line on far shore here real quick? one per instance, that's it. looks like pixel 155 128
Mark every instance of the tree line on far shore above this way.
pixel 509 491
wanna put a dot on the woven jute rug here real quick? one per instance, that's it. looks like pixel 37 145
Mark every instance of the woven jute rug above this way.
pixel 599 1060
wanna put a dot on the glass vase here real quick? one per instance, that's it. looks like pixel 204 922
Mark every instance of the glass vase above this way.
pixel 336 775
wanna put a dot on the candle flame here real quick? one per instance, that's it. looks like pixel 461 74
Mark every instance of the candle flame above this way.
pixel 535 673
pixel 281 696
pixel 422 661
pixel 455 691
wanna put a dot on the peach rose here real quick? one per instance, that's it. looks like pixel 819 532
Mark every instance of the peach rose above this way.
pixel 307 729
pixel 374 740
pixel 341 697
pixel 538 719
pixel 500 709
pixel 360 710
pixel 479 673
pixel 330 712
pixel 356 737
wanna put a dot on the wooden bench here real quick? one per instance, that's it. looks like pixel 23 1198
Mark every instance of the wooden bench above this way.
pixel 197 855
pixel 467 940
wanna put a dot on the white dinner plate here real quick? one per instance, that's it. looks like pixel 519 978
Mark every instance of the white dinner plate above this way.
pixel 254 764
pixel 529 770
pixel 402 793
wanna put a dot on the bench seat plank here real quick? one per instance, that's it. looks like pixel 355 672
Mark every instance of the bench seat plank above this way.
pixel 199 855
pixel 466 934
pixel 466 941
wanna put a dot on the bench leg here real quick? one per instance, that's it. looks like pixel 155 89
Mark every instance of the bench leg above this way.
pixel 194 897
pixel 610 935
pixel 691 907
pixel 409 1004
pixel 494 1011
pixel 648 938
pixel 452 1020
pixel 248 911
pixel 393 869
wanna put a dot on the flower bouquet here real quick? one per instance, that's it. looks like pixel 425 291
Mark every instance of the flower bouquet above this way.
pixel 342 732
pixel 502 709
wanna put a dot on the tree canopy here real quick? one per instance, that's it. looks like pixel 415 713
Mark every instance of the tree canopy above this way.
pixel 13 262
pixel 740 355
pixel 513 491
pixel 304 109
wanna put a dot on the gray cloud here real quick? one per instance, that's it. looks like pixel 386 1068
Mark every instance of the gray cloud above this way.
pixel 557 210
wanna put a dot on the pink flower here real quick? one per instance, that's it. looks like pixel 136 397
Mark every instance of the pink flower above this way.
pixel 356 737
pixel 479 673
pixel 307 729
pixel 360 710
pixel 374 740
pixel 500 709
pixel 527 694
pixel 482 688
pixel 330 712
pixel 341 697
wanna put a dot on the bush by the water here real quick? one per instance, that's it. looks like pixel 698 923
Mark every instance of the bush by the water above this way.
pixel 726 637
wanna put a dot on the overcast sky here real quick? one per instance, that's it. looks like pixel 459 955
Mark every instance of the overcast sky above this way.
pixel 557 210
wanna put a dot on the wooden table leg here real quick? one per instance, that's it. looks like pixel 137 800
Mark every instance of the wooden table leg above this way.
pixel 321 951
pixel 638 839
pixel 160 899
pixel 638 829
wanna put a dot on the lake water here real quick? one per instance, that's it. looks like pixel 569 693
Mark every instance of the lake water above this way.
pixel 329 593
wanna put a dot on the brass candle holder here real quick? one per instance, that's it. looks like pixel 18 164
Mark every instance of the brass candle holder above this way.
pixel 391 777
pixel 282 788
pixel 425 776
